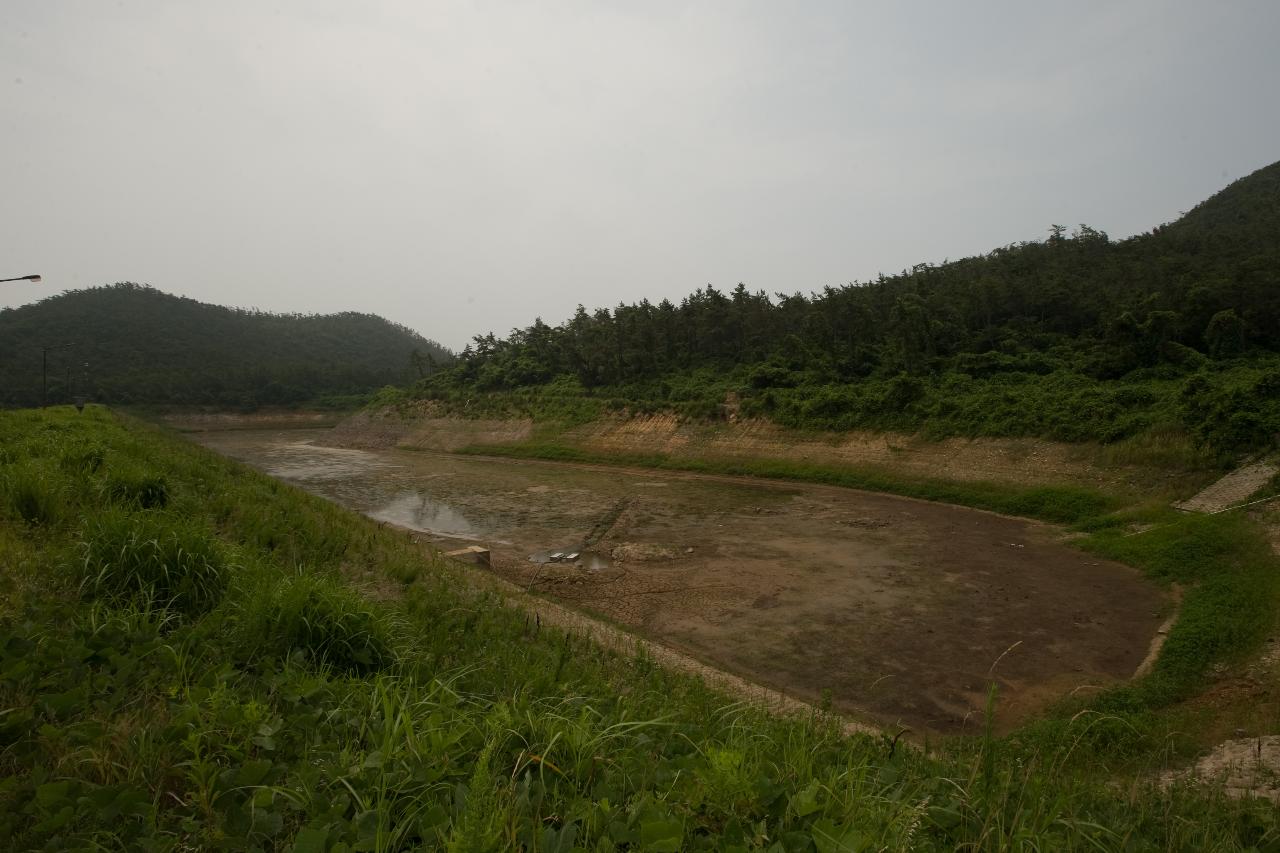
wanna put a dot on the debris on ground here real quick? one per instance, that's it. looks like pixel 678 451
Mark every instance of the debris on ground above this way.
pixel 1244 767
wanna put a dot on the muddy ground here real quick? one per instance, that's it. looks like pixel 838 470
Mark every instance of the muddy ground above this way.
pixel 899 610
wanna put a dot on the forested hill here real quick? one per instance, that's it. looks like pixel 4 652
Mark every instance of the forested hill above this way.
pixel 1076 337
pixel 136 345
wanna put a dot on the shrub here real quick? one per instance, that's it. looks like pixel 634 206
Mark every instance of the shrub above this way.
pixel 1234 410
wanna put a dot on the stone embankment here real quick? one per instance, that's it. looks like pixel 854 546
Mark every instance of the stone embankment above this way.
pixel 1232 490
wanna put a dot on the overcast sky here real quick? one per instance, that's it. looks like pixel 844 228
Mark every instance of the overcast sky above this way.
pixel 463 167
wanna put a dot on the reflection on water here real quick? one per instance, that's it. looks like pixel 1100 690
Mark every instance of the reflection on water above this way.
pixel 541 507
pixel 363 480
pixel 420 511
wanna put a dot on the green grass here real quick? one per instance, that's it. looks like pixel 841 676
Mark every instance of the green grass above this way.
pixel 33 494
pixel 291 712
pixel 171 562
pixel 1232 584
pixel 132 487
pixel 318 620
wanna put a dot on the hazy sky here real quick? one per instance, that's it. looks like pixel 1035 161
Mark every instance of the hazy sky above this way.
pixel 462 167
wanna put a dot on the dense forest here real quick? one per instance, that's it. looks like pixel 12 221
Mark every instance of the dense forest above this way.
pixel 1078 337
pixel 130 344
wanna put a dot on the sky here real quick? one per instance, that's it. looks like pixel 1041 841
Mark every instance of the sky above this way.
pixel 465 167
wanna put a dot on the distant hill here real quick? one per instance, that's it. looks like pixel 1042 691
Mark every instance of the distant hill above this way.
pixel 136 345
pixel 1242 219
pixel 1077 337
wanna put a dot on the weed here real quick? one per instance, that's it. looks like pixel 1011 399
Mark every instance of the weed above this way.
pixel 85 458
pixel 132 487
pixel 328 623
pixel 127 556
pixel 33 494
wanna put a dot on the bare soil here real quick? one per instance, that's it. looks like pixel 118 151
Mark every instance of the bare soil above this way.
pixel 1002 460
pixel 418 428
pixel 1020 461
pixel 905 610
pixel 899 610
pixel 265 419
pixel 1241 767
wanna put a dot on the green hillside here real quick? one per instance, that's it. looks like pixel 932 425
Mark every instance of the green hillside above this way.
pixel 136 345
pixel 1075 338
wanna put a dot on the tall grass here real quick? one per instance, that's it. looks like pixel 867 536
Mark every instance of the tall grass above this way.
pixel 32 494
pixel 312 615
pixel 136 487
pixel 128 556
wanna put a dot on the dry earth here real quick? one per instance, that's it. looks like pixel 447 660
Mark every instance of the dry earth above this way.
pixel 1018 461
pixel 207 421
pixel 905 611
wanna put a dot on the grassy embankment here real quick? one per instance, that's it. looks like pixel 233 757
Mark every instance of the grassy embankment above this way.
pixel 193 655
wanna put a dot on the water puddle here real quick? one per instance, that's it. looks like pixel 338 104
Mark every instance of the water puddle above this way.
pixel 420 511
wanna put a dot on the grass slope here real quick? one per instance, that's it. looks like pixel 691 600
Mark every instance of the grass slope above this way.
pixel 195 656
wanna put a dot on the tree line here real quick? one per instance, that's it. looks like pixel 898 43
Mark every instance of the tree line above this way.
pixel 1195 297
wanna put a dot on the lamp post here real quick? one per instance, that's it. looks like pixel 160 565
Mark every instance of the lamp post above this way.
pixel 31 278
pixel 44 371
pixel 81 398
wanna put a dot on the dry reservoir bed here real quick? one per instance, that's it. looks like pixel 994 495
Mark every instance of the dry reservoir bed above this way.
pixel 900 610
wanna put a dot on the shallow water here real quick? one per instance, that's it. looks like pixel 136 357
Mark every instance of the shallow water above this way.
pixel 372 483
pixel 498 502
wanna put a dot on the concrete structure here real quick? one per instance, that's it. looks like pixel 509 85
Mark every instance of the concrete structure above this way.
pixel 474 554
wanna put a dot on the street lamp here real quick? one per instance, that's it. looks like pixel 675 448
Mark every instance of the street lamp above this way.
pixel 81 398
pixel 44 371
pixel 31 278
